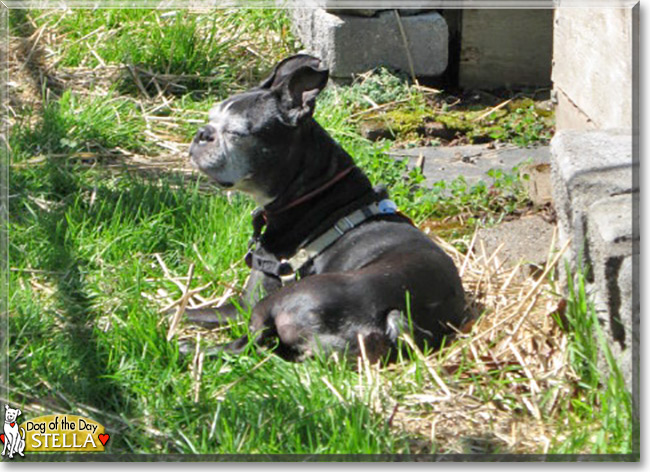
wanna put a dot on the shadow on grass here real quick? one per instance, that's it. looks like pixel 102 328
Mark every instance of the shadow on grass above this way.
pixel 86 382
pixel 80 368
pixel 32 52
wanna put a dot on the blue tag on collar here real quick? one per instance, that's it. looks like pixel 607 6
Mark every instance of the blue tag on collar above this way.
pixel 387 206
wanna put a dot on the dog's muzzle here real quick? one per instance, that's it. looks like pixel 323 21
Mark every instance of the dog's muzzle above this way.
pixel 204 137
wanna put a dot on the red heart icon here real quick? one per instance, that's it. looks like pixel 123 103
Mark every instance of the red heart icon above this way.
pixel 2 438
pixel 103 438
pixel 12 424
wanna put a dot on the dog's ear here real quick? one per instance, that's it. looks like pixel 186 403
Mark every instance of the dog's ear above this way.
pixel 297 80
pixel 18 412
pixel 6 407
pixel 287 67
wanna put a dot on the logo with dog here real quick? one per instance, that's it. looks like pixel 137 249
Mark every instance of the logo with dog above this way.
pixel 12 436
pixel 52 433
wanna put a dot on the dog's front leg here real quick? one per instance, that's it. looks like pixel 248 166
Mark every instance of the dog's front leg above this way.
pixel 211 318
pixel 258 285
pixel 12 446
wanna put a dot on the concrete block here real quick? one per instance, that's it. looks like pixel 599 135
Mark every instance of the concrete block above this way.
pixel 610 240
pixel 593 63
pixel 617 304
pixel 585 167
pixel 506 48
pixel 353 44
pixel 610 225
pixel 595 202
pixel 568 116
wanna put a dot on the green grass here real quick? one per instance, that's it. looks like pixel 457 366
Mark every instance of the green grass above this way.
pixel 599 416
pixel 82 243
pixel 73 123
pixel 84 334
pixel 189 52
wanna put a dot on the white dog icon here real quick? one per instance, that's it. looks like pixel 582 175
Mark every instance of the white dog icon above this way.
pixel 14 442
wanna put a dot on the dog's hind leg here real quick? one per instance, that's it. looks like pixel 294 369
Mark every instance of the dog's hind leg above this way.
pixel 21 442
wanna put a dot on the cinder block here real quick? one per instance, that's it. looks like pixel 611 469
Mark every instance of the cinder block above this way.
pixel 585 167
pixel 617 306
pixel 353 44
pixel 595 202
pixel 611 254
pixel 610 225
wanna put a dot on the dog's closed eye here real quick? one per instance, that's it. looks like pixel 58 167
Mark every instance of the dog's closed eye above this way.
pixel 206 134
pixel 232 132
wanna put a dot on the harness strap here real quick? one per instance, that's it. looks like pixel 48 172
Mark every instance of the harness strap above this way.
pixel 287 269
pixel 329 237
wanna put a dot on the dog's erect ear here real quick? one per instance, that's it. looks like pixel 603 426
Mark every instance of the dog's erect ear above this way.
pixel 287 67
pixel 298 80
pixel 6 407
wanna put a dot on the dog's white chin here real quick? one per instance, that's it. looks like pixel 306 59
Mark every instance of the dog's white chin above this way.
pixel 246 186
pixel 260 198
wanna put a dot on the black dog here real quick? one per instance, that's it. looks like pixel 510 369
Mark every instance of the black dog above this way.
pixel 332 261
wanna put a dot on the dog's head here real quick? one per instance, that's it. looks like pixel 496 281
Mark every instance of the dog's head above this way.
pixel 11 414
pixel 247 143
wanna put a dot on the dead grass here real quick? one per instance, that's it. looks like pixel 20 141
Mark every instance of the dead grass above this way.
pixel 506 374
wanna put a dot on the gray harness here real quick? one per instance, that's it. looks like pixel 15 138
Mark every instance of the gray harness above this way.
pixel 287 270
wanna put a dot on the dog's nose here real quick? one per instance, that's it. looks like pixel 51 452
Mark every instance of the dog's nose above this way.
pixel 206 134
